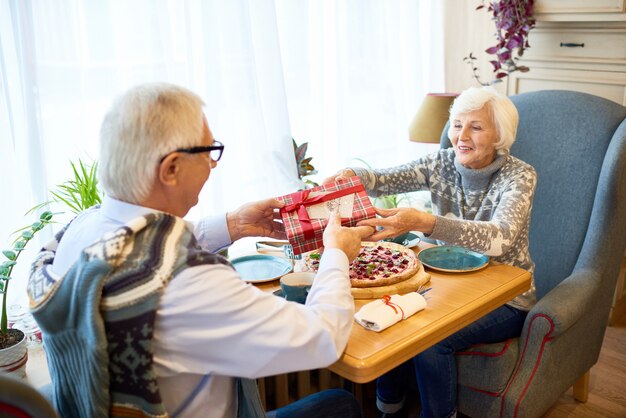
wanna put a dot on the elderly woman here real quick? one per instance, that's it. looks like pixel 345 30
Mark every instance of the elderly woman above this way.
pixel 481 199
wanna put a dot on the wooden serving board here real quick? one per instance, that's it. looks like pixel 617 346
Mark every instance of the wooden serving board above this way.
pixel 409 285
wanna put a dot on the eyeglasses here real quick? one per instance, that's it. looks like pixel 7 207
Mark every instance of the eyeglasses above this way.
pixel 215 151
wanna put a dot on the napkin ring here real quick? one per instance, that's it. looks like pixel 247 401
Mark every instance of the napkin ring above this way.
pixel 387 301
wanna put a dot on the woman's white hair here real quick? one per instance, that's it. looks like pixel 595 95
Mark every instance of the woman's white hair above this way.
pixel 502 110
pixel 142 126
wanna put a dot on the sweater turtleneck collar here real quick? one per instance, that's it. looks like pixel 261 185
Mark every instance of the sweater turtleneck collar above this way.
pixel 478 179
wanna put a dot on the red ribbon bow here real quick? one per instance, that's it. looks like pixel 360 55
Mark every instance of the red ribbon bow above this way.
pixel 302 201
pixel 387 301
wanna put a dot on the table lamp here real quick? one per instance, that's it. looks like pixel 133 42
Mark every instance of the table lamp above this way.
pixel 431 118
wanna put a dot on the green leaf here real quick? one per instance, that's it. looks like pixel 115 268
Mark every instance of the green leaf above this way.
pixel 8 264
pixel 301 152
pixel 9 254
pixel 37 207
pixel 37 226
pixel 310 183
pixel 46 216
pixel 2 286
pixel 363 162
pixel 5 277
pixel 19 245
pixel 27 234
pixel 80 192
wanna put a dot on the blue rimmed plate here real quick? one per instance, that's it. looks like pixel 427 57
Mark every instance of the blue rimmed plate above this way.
pixel 408 240
pixel 452 259
pixel 260 268
pixel 411 240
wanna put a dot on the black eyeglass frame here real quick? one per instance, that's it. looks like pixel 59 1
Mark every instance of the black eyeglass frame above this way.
pixel 200 149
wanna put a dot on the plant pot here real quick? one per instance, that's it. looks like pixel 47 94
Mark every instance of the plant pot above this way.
pixel 13 359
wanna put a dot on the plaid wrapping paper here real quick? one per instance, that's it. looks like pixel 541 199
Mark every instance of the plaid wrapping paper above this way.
pixel 306 234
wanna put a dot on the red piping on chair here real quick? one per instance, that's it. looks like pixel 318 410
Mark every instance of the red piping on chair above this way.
pixel 12 411
pixel 546 338
pixel 485 392
pixel 482 353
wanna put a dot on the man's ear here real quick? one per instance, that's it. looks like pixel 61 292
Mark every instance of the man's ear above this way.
pixel 169 169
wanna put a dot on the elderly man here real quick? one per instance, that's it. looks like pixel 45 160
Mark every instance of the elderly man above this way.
pixel 131 286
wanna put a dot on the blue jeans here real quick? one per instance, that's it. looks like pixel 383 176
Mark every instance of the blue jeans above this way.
pixel 435 368
pixel 331 403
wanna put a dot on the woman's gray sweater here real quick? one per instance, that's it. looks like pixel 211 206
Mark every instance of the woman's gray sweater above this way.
pixel 485 210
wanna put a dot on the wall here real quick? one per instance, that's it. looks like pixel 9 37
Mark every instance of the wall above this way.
pixel 466 30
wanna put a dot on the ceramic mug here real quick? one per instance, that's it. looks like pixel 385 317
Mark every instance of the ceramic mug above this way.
pixel 296 286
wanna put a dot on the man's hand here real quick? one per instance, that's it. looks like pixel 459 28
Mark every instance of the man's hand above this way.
pixel 344 174
pixel 256 219
pixel 346 239
pixel 397 221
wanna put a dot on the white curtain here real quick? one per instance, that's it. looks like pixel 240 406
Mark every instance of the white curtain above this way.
pixel 356 72
pixel 344 75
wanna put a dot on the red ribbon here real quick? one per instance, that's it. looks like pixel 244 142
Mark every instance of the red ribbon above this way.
pixel 302 200
pixel 387 301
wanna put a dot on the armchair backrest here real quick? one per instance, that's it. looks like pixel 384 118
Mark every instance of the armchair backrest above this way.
pixel 577 144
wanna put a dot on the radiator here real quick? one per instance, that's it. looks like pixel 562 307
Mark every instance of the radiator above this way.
pixel 278 391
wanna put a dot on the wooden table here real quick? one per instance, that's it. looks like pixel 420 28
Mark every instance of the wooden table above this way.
pixel 455 300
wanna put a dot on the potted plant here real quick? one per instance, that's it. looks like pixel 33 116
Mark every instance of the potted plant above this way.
pixel 75 195
pixel 305 168
pixel 79 193
pixel 13 350
pixel 514 20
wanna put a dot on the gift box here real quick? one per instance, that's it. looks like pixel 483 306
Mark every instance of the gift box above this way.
pixel 306 212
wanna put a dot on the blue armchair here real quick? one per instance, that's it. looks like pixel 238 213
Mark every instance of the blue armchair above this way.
pixel 577 144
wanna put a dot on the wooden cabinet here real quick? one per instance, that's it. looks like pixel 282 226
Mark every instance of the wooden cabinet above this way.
pixel 580 10
pixel 583 56
pixel 578 45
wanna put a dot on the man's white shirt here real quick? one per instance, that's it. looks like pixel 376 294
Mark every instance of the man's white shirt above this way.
pixel 210 322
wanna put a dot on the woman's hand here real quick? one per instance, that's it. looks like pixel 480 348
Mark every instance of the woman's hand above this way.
pixel 343 174
pixel 397 221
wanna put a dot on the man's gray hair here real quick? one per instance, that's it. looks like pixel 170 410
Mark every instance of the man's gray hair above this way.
pixel 502 110
pixel 142 126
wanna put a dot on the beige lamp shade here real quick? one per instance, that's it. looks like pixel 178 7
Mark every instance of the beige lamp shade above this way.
pixel 431 118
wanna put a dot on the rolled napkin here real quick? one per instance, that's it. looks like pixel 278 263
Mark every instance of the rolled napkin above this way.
pixel 383 313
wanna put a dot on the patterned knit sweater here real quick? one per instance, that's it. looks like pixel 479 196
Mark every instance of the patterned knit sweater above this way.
pixel 102 311
pixel 486 210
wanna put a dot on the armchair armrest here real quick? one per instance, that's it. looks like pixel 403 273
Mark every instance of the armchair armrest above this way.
pixel 569 301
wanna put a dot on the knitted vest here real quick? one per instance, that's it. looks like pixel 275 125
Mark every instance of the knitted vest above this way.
pixel 101 313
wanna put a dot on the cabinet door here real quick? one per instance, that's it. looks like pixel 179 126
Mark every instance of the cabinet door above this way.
pixel 579 6
pixel 607 84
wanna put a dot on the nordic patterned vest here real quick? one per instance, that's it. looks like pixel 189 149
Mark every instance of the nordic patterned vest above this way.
pixel 101 312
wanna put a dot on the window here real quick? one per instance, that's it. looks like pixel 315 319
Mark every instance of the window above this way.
pixel 345 76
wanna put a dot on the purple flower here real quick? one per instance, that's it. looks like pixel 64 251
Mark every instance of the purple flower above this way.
pixel 513 20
